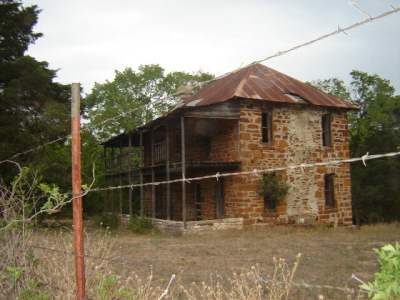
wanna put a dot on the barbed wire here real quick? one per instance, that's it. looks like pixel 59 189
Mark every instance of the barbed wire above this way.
pixel 319 38
pixel 255 172
pixel 332 33
pixel 277 54
pixel 68 136
pixel 14 156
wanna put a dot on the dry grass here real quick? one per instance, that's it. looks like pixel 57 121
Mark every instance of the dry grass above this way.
pixel 232 263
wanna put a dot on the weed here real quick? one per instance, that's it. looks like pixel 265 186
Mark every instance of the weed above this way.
pixel 140 224
pixel 386 284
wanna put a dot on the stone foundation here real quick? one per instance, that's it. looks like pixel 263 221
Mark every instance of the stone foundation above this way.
pixel 177 228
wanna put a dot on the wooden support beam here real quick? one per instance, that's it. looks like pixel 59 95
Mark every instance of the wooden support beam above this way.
pixel 105 157
pixel 153 179
pixel 183 157
pixel 112 178
pixel 106 200
pixel 120 179
pixel 130 174
pixel 141 165
pixel 167 171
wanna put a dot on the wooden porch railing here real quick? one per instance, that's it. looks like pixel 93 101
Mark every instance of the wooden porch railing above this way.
pixel 159 152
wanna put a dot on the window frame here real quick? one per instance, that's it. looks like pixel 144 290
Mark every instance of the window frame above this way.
pixel 326 126
pixel 329 190
pixel 266 127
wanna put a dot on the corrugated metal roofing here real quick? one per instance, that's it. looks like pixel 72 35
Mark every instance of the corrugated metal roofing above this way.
pixel 259 82
pixel 256 82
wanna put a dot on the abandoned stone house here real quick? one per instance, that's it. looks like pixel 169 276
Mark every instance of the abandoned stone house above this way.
pixel 255 117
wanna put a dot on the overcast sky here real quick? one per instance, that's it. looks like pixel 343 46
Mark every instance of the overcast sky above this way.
pixel 88 40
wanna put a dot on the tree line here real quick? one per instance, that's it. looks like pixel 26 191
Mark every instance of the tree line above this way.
pixel 35 109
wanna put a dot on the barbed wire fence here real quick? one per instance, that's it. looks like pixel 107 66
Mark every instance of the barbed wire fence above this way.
pixel 255 172
pixel 340 29
pixel 218 175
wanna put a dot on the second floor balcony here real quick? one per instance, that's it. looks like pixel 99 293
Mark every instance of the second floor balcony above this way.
pixel 208 143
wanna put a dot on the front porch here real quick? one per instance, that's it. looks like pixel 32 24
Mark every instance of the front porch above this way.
pixel 174 148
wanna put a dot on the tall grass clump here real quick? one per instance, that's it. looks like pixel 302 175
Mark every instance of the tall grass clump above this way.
pixel 139 224
pixel 248 285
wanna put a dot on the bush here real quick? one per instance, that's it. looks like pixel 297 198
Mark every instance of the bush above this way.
pixel 272 187
pixel 108 220
pixel 386 284
pixel 139 224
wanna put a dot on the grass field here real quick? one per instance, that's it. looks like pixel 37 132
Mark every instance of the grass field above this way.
pixel 329 256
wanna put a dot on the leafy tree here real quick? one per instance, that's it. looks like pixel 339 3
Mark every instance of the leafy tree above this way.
pixel 137 96
pixel 131 99
pixel 375 128
pixel 16 29
pixel 333 86
pixel 33 108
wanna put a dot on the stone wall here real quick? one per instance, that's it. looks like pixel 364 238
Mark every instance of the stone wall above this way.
pixel 177 227
pixel 297 138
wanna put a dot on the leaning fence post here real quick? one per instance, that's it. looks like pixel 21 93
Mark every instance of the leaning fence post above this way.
pixel 76 192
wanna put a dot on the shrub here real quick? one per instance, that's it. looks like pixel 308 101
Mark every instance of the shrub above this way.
pixel 386 284
pixel 22 201
pixel 139 224
pixel 33 292
pixel 108 220
pixel 272 188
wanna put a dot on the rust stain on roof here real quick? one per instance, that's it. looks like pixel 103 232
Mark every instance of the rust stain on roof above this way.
pixel 259 82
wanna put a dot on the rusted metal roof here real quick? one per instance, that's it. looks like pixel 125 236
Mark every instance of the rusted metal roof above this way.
pixel 256 82
pixel 259 82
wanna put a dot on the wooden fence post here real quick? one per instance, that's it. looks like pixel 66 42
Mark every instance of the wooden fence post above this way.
pixel 76 192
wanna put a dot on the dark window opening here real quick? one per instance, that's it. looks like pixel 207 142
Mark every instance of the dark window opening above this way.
pixel 326 130
pixel 269 204
pixel 266 127
pixel 206 145
pixel 329 190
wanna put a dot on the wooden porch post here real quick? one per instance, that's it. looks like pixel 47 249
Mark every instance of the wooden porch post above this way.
pixel 112 178
pixel 167 171
pixel 153 177
pixel 109 194
pixel 120 178
pixel 106 200
pixel 183 171
pixel 141 164
pixel 129 173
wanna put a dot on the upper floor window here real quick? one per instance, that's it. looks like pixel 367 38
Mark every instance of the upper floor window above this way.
pixel 329 190
pixel 266 127
pixel 326 130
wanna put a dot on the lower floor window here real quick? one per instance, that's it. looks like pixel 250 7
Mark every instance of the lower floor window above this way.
pixel 329 190
pixel 269 203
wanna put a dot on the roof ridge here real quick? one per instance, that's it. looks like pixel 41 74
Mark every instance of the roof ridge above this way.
pixel 267 84
pixel 242 82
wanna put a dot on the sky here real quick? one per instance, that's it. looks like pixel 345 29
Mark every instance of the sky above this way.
pixel 86 41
